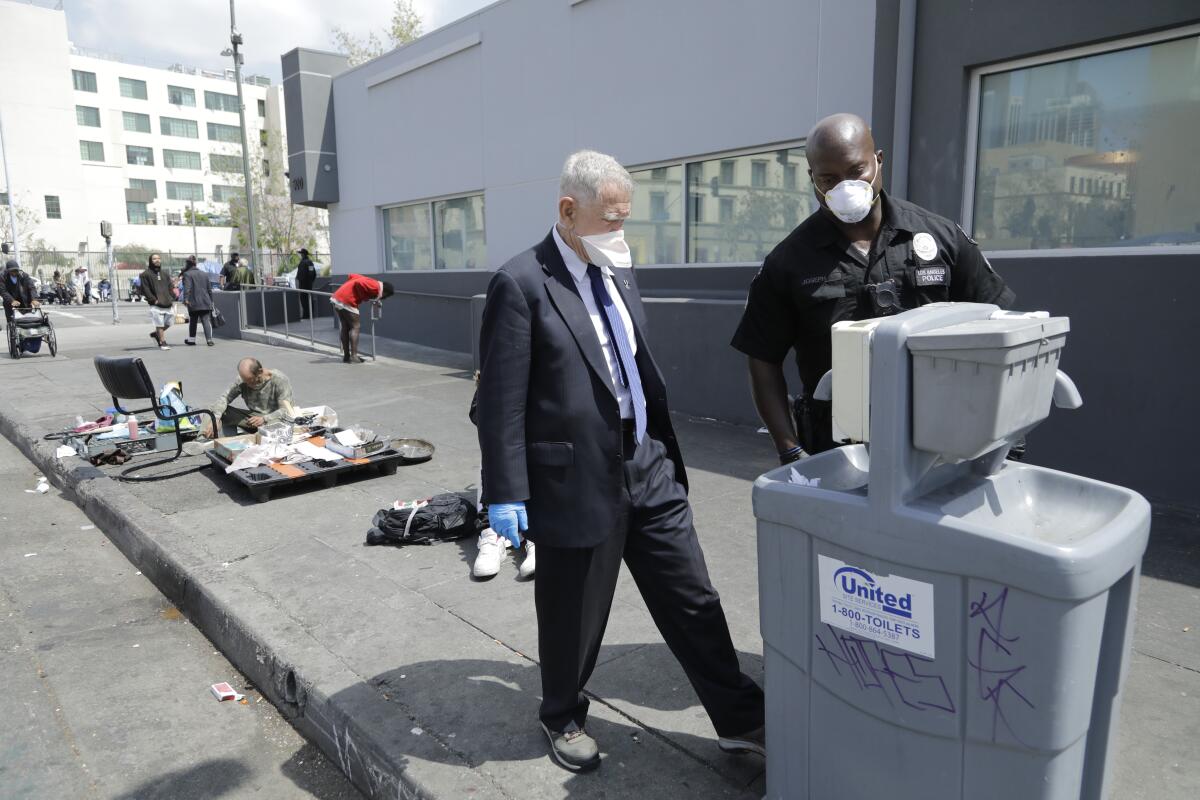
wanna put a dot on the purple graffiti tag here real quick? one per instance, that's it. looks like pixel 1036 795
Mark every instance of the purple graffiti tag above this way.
pixel 890 671
pixel 995 666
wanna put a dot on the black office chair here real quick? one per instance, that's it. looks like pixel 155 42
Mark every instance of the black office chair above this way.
pixel 127 379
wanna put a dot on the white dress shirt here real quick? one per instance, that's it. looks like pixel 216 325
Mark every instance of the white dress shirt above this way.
pixel 578 269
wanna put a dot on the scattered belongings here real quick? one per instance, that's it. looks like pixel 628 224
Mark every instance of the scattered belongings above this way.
pixel 292 452
pixel 113 455
pixel 223 691
pixel 413 451
pixel 441 518
pixel 43 486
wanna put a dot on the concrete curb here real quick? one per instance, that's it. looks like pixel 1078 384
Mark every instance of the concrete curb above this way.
pixel 296 673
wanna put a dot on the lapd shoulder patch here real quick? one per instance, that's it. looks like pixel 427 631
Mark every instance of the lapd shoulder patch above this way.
pixel 931 276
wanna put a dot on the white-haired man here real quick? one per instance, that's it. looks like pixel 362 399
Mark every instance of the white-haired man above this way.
pixel 579 452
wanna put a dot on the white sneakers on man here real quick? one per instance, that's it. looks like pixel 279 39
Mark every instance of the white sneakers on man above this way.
pixel 492 550
pixel 526 570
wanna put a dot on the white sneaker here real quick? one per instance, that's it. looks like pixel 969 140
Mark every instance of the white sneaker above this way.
pixel 492 550
pixel 528 566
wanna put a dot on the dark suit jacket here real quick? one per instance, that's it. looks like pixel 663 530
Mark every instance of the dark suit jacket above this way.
pixel 549 424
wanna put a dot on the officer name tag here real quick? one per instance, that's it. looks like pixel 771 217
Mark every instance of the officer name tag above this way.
pixel 931 276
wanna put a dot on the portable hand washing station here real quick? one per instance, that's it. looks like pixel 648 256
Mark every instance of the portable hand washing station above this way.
pixel 939 622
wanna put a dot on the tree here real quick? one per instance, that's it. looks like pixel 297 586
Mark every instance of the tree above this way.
pixel 132 255
pixel 404 28
pixel 282 226
pixel 28 220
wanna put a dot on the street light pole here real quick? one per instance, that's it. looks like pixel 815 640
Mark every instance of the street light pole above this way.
pixel 195 247
pixel 8 184
pixel 106 232
pixel 235 39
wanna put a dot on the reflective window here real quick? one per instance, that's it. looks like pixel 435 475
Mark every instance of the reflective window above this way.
pixel 1096 151
pixel 132 87
pixel 138 123
pixel 215 101
pixel 654 229
pixel 170 126
pixel 459 234
pixel 407 237
pixel 140 156
pixel 262 108
pixel 185 191
pixel 53 208
pixel 138 214
pixel 145 186
pixel 83 81
pixel 740 208
pixel 181 96
pixel 224 164
pixel 224 133
pixel 86 115
pixel 181 159
pixel 91 151
pixel 223 193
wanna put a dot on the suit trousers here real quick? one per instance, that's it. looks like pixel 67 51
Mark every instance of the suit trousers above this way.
pixel 574 589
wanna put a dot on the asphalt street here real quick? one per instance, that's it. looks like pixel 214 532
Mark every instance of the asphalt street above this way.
pixel 106 684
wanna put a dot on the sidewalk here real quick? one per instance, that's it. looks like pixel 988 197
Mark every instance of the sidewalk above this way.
pixel 420 682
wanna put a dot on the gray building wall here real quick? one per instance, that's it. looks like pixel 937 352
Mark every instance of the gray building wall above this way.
pixel 525 82
pixel 1133 323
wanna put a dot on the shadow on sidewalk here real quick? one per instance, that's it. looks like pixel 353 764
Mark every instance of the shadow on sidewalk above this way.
pixel 484 712
pixel 1174 550
pixel 216 778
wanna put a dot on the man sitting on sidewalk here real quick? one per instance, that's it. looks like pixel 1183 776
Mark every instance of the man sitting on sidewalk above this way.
pixel 266 392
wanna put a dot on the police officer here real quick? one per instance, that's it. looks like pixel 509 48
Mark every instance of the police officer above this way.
pixel 862 254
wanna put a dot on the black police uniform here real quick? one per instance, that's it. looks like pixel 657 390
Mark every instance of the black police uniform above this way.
pixel 816 277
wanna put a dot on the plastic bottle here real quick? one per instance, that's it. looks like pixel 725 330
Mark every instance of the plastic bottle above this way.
pixel 133 427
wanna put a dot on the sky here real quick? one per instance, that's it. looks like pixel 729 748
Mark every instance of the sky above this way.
pixel 194 32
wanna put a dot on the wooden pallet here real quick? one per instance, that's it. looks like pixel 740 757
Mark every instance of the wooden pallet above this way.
pixel 261 481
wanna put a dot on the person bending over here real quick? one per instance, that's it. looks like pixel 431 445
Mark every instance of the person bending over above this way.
pixel 346 300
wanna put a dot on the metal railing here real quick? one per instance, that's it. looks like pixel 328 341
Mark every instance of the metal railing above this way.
pixel 374 314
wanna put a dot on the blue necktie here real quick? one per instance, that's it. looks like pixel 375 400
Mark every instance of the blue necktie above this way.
pixel 625 360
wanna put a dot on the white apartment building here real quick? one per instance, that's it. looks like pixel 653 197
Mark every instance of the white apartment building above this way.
pixel 91 137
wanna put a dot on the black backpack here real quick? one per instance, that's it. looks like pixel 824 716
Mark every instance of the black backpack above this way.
pixel 441 518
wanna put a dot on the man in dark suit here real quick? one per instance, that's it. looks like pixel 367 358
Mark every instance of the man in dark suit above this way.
pixel 579 451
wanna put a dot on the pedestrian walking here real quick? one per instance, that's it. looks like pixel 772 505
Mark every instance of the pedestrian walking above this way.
pixel 196 293
pixel 156 288
pixel 306 276
pixel 225 279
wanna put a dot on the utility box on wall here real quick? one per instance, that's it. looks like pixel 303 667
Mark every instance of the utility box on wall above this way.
pixel 312 142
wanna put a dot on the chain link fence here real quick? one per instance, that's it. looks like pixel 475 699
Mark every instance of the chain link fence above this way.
pixel 129 264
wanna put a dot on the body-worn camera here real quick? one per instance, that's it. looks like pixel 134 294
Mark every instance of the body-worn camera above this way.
pixel 884 297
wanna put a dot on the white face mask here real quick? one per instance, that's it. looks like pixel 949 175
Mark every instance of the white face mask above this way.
pixel 851 201
pixel 608 249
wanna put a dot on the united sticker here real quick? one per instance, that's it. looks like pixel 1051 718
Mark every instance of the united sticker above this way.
pixel 891 609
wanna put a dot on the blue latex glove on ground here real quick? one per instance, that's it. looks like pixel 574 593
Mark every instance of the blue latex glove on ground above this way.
pixel 507 519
